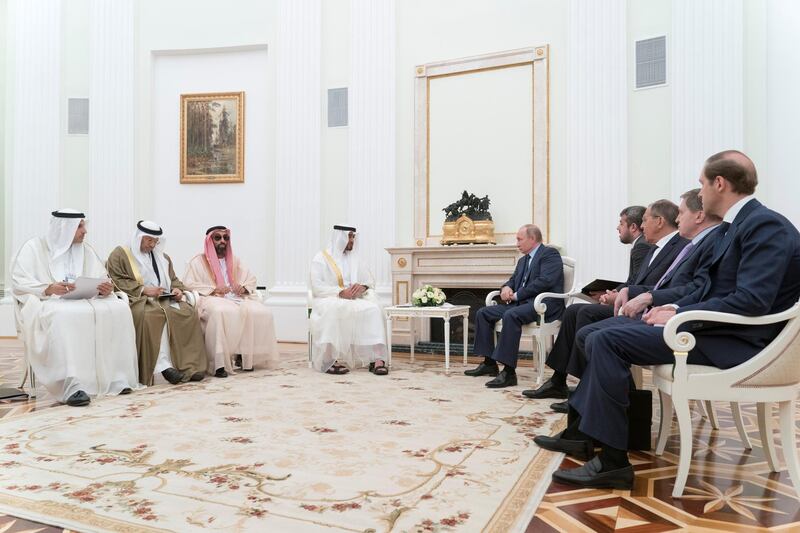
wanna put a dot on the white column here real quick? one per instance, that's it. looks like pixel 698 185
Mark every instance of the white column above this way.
pixel 597 162
pixel 34 114
pixel 111 123
pixel 371 154
pixel 297 202
pixel 707 85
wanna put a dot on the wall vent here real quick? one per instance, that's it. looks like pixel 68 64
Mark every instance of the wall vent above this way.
pixel 651 62
pixel 78 116
pixel 337 107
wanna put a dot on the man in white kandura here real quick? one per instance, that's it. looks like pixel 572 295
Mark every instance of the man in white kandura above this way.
pixel 77 348
pixel 346 319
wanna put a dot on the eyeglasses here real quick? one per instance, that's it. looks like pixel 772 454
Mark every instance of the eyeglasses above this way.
pixel 219 237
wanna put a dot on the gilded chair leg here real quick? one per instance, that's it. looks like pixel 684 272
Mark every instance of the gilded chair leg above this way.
pixel 665 424
pixel 736 413
pixel 788 441
pixel 685 431
pixel 766 427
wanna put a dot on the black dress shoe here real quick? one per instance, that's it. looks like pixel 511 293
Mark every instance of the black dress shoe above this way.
pixel 590 476
pixel 579 449
pixel 126 390
pixel 560 407
pixel 173 375
pixel 237 360
pixel 248 369
pixel 220 373
pixel 197 376
pixel 503 379
pixel 483 370
pixel 547 390
pixel 78 399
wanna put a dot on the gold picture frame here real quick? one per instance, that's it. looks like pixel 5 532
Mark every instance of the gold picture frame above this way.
pixel 212 138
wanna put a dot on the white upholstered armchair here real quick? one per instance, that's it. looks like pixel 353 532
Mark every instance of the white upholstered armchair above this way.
pixel 544 332
pixel 771 376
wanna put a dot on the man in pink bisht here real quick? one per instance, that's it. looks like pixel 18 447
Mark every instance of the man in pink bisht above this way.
pixel 235 322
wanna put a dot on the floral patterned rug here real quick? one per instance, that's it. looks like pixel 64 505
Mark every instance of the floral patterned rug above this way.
pixel 286 450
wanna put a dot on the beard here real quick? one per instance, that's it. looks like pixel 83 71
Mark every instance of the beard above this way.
pixel 221 248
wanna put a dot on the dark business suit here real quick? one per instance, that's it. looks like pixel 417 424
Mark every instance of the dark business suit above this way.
pixel 755 270
pixel 639 251
pixel 684 279
pixel 545 274
pixel 564 357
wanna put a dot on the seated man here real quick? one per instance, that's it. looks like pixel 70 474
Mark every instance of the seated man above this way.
pixel 346 319
pixel 234 321
pixel 145 273
pixel 661 230
pixel 754 271
pixel 540 269
pixel 77 348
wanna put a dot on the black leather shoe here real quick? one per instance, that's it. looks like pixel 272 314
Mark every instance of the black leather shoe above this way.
pixel 197 376
pixel 237 360
pixel 590 476
pixel 126 390
pixel 78 399
pixel 547 390
pixel 483 370
pixel 503 379
pixel 173 375
pixel 560 407
pixel 579 449
pixel 248 369
pixel 220 373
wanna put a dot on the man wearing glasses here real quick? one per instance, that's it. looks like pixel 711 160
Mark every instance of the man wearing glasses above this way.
pixel 234 322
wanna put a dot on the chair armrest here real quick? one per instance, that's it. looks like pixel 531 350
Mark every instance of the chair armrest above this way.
pixel 682 342
pixel 122 296
pixel 191 297
pixel 541 307
pixel 490 298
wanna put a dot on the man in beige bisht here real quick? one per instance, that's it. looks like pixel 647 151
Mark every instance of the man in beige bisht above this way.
pixel 168 335
pixel 234 321
pixel 77 348
pixel 346 319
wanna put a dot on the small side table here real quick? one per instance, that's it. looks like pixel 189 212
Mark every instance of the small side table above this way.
pixel 443 312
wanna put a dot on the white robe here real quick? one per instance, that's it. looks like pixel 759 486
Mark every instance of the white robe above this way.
pixel 72 345
pixel 351 332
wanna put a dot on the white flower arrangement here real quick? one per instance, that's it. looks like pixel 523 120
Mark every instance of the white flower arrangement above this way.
pixel 428 295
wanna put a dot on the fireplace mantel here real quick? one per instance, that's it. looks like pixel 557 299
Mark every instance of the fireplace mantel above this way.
pixel 469 266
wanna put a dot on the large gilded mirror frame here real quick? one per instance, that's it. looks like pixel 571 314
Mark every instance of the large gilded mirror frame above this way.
pixel 427 231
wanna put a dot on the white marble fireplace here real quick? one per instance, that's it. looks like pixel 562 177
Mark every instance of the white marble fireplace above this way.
pixel 458 266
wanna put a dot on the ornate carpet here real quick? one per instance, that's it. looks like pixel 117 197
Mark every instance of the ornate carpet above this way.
pixel 286 450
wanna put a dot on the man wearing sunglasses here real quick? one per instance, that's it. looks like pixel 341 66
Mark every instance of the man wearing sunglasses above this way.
pixel 234 322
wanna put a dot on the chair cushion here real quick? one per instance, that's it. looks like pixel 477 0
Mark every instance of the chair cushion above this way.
pixel 665 371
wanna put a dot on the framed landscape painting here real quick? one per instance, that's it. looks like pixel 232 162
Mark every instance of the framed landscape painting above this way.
pixel 212 138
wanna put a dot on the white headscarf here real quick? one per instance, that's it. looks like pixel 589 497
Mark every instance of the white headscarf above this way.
pixel 66 258
pixel 146 228
pixel 347 261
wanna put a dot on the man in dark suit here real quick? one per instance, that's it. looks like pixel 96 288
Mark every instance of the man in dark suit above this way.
pixel 630 232
pixel 540 269
pixel 660 229
pixel 754 271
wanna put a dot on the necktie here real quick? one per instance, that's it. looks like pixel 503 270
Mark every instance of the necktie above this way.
pixel 723 230
pixel 155 266
pixel 678 260
pixel 526 271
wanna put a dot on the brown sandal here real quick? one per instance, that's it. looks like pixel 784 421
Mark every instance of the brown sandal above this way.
pixel 379 370
pixel 337 369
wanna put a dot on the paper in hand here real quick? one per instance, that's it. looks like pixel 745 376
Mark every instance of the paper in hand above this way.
pixel 85 288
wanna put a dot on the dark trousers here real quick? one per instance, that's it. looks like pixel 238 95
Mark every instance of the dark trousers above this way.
pixel 602 395
pixel 577 363
pixel 566 357
pixel 514 317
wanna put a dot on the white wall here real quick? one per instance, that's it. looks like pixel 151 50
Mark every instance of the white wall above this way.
pixel 3 79
pixel 649 120
pixel 448 29
pixel 185 211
